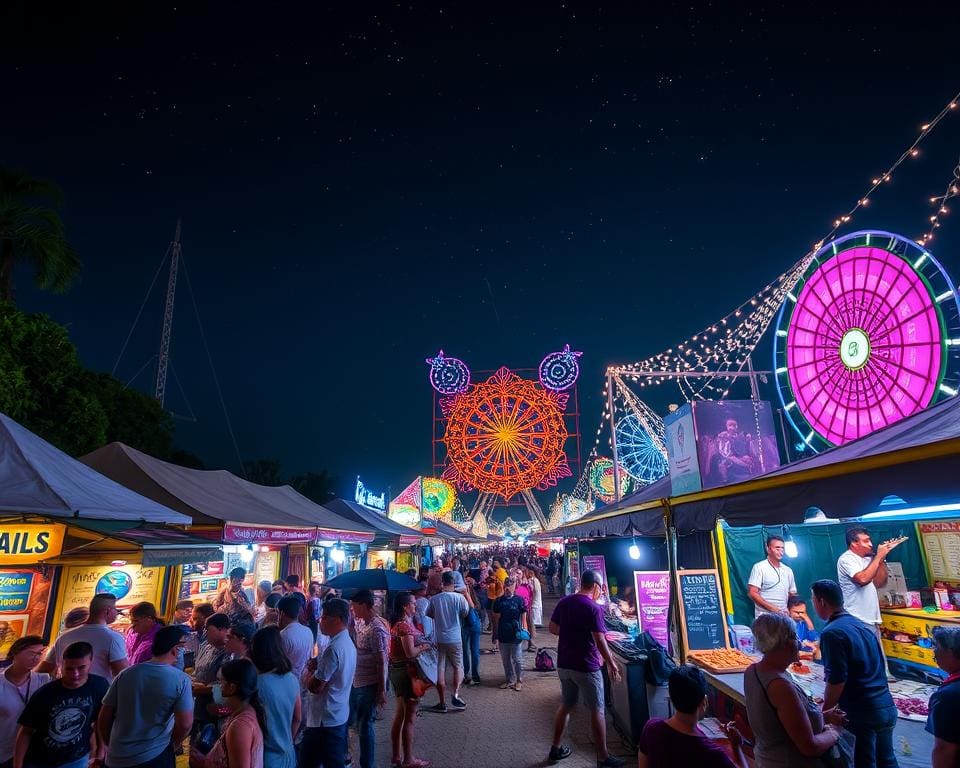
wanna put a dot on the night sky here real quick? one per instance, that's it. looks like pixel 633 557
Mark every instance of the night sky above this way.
pixel 361 185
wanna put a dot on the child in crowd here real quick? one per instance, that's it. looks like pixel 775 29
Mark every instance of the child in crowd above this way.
pixel 806 634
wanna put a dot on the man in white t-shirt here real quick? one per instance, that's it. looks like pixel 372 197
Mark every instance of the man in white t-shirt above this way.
pixel 771 582
pixel 109 647
pixel 295 638
pixel 860 573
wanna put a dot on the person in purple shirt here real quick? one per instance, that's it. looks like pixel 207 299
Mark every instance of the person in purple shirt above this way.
pixel 678 740
pixel 581 650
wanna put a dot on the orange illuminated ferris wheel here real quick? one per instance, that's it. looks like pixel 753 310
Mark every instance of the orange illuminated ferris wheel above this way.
pixel 505 436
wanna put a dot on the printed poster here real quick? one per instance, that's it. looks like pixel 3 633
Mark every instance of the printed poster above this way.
pixel 131 584
pixel 598 563
pixel 682 457
pixel 573 573
pixel 653 604
pixel 24 596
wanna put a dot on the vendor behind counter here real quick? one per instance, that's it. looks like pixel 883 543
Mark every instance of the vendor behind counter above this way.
pixel 819 546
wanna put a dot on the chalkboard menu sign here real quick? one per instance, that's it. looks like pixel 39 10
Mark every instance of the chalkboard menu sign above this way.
pixel 702 619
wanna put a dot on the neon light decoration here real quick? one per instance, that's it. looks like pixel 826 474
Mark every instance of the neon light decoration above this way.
pixel 559 370
pixel 504 436
pixel 363 495
pixel 602 480
pixel 439 498
pixel 869 336
pixel 405 508
pixel 448 375
pixel 637 451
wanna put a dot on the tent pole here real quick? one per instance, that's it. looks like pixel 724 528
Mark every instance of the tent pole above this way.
pixel 613 440
pixel 671 539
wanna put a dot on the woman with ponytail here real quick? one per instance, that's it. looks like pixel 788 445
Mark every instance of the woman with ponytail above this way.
pixel 241 744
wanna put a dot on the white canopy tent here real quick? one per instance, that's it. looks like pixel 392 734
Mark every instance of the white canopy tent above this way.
pixel 39 479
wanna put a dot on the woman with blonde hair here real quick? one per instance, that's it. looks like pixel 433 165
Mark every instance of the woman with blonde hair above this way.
pixel 790 730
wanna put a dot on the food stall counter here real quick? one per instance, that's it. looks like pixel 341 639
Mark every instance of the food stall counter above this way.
pixel 912 743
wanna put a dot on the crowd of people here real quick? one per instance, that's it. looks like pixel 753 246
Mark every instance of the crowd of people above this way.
pixel 272 677
pixel 278 678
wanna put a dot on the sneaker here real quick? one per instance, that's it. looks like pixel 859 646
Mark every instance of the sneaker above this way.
pixel 610 762
pixel 458 703
pixel 441 708
pixel 475 681
pixel 517 686
pixel 558 753
pixel 504 686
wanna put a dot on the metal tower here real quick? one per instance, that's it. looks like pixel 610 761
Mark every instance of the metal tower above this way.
pixel 164 358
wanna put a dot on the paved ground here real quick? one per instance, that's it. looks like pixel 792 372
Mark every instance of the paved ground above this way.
pixel 502 729
pixel 505 729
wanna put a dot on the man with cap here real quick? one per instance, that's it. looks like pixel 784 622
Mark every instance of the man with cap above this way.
pixel 148 708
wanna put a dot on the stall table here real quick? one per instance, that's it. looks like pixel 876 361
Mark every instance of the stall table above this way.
pixel 918 624
pixel 907 732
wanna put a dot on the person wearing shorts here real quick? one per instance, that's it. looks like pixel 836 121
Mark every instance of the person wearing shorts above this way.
pixel 581 650
pixel 448 609
pixel 406 643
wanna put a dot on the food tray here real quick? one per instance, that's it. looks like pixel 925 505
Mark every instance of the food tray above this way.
pixel 722 661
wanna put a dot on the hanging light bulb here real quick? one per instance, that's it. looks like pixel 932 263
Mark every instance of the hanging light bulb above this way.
pixel 246 554
pixel 337 554
pixel 634 550
pixel 789 545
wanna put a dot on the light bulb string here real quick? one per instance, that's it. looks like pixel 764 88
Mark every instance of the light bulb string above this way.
pixel 952 190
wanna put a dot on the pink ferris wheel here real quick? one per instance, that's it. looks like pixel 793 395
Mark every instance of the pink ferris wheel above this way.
pixel 869 336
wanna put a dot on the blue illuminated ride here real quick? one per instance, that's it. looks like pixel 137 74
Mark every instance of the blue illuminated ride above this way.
pixel 637 451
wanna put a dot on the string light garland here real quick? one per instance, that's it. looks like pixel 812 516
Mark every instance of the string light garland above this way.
pixel 952 190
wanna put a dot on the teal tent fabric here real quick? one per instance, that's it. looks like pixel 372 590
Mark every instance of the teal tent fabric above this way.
pixel 818 547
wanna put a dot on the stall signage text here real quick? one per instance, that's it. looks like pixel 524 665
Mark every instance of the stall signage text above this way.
pixel 15 591
pixel 26 543
pixel 249 534
pixel 368 498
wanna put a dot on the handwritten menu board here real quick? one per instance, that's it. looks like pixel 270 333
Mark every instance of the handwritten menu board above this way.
pixel 941 544
pixel 702 619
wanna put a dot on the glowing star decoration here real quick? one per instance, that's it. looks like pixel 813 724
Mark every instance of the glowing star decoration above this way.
pixel 448 375
pixel 867 338
pixel 602 480
pixel 504 436
pixel 637 451
pixel 559 370
pixel 439 498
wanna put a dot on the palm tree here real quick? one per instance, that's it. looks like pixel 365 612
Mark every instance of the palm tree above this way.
pixel 31 230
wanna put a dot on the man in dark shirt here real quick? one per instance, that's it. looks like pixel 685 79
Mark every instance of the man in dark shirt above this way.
pixel 944 719
pixel 582 648
pixel 853 668
pixel 57 724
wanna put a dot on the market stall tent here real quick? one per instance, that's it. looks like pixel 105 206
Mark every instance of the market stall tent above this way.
pixel 40 479
pixel 218 496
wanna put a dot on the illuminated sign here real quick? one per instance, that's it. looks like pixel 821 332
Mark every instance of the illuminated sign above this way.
pixel 28 543
pixel 368 498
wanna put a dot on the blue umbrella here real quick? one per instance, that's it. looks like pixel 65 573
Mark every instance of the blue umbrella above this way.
pixel 373 578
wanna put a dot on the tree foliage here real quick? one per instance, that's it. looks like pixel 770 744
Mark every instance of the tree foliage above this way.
pixel 32 231
pixel 319 486
pixel 263 471
pixel 44 387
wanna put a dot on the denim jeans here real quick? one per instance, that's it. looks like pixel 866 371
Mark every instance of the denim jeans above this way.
pixel 471 651
pixel 324 747
pixel 874 732
pixel 363 708
pixel 512 656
